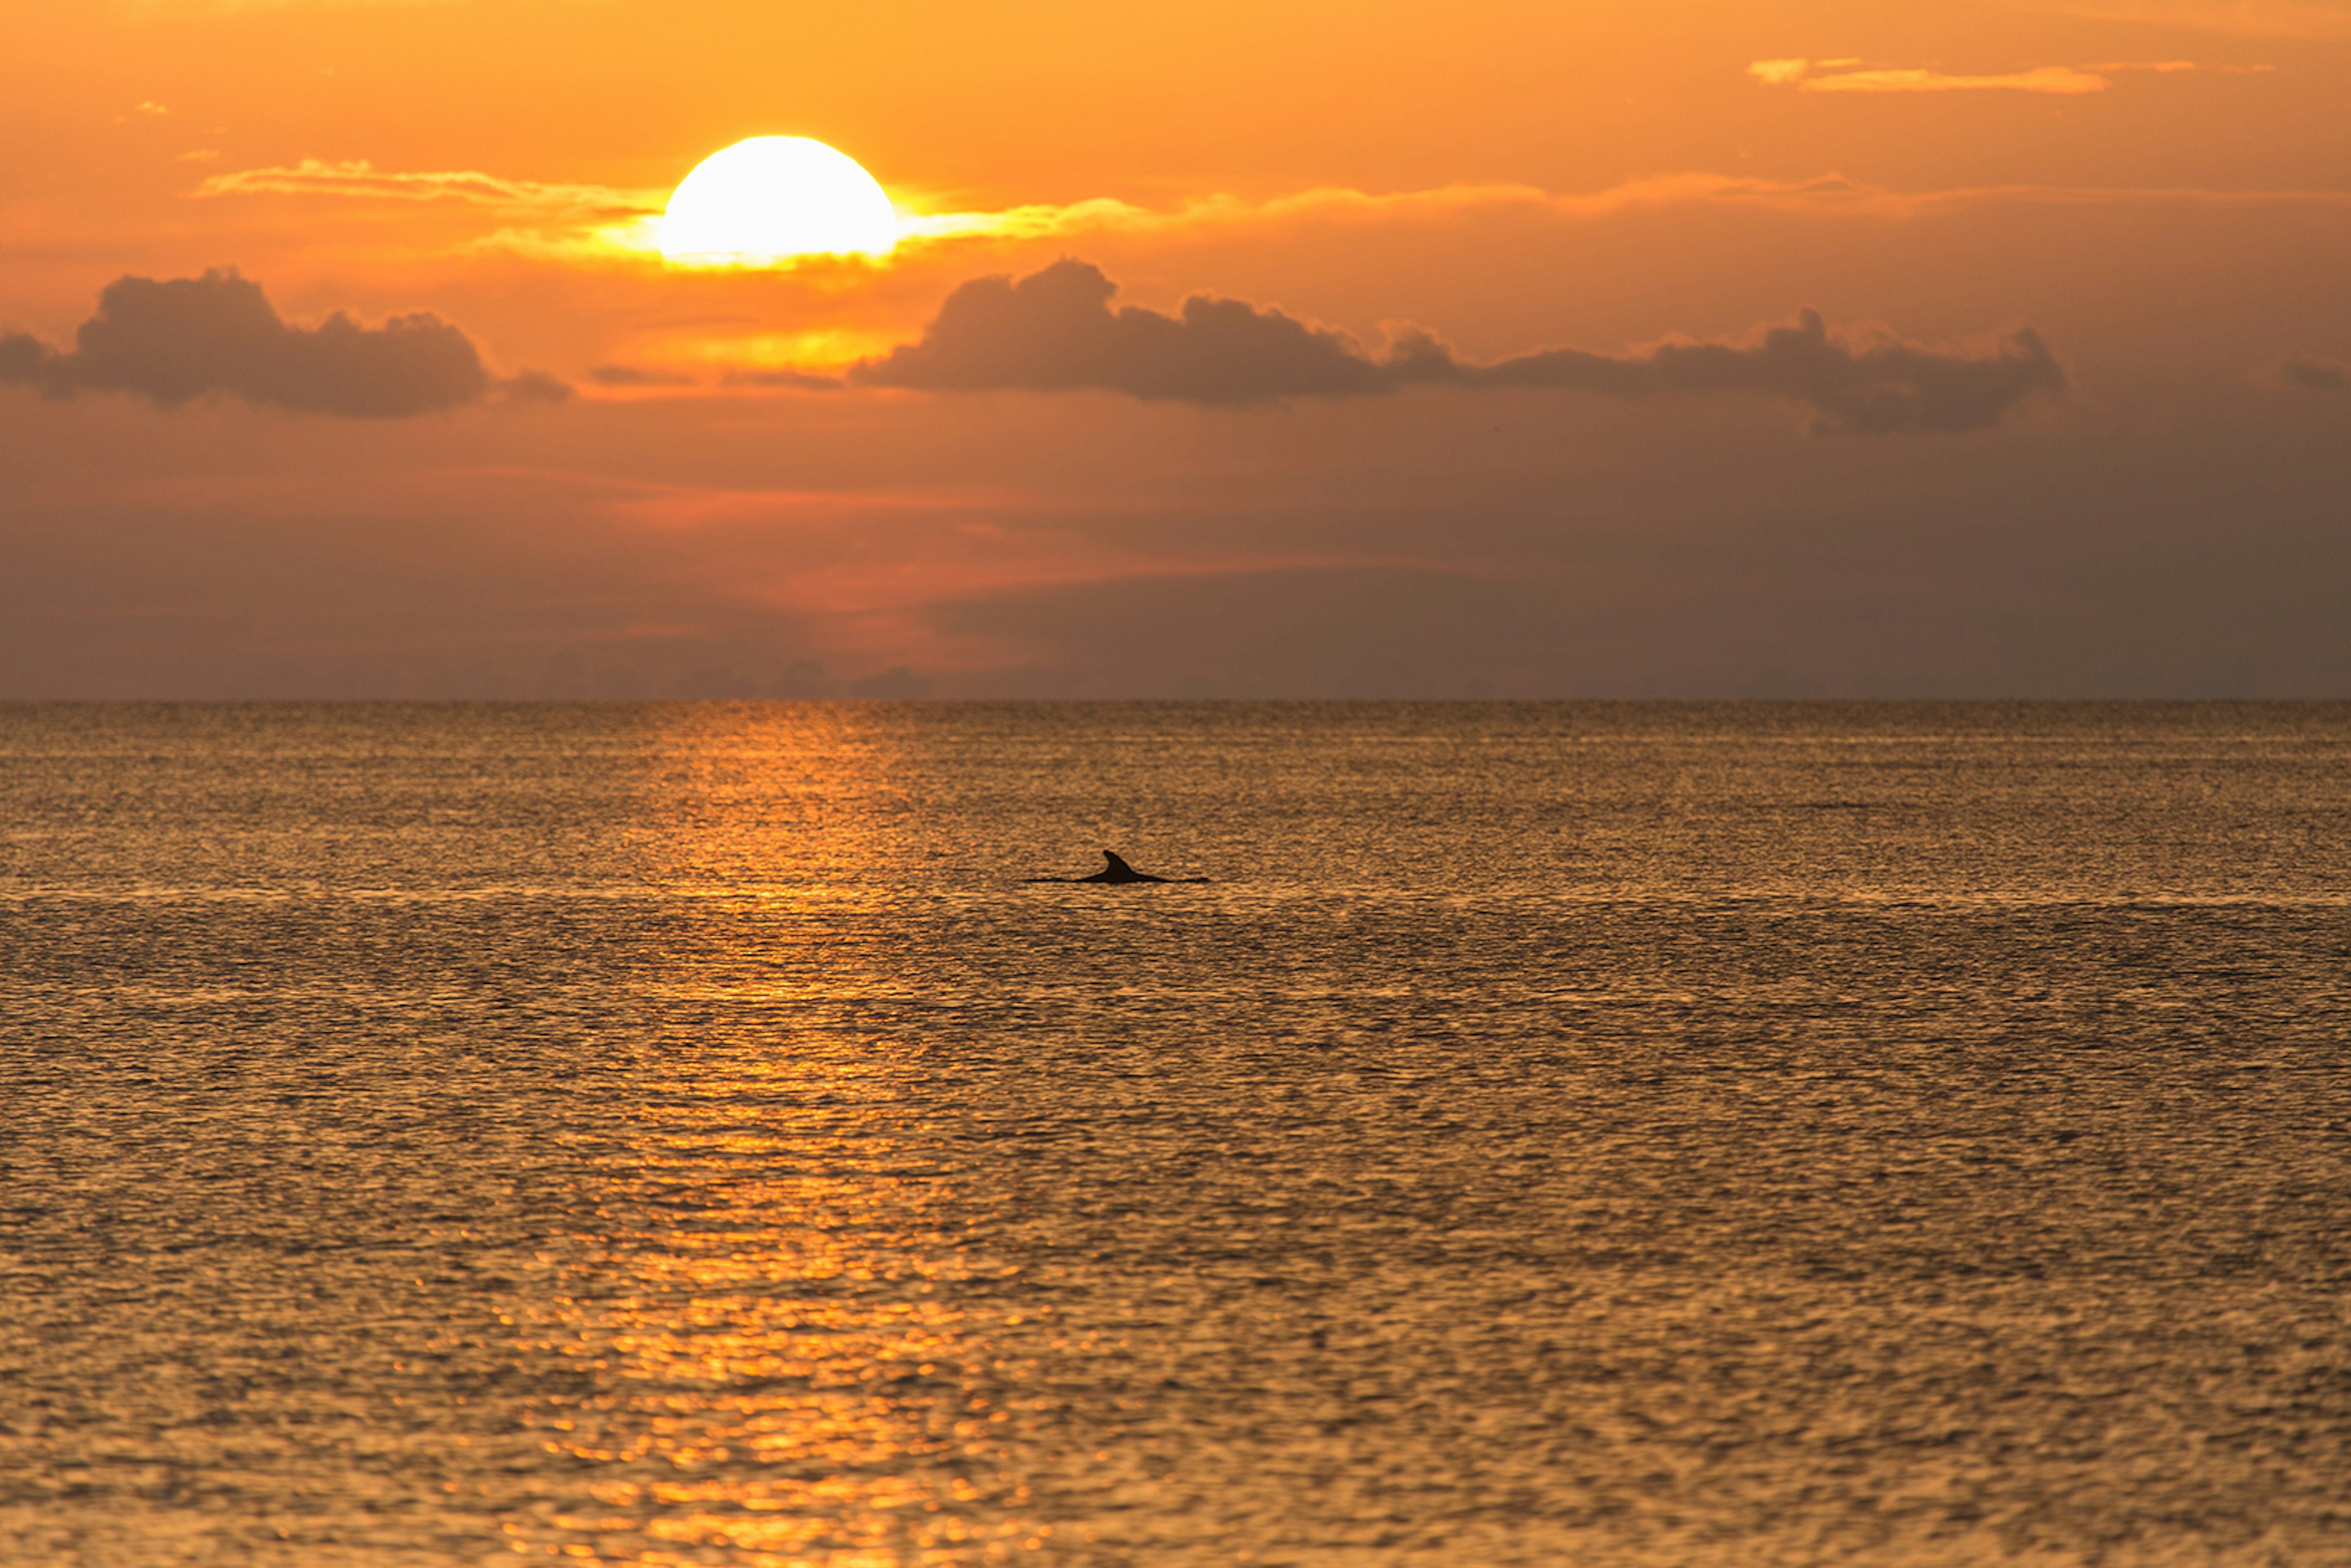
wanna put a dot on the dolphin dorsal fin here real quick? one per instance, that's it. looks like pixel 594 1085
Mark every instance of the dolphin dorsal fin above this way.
pixel 1117 864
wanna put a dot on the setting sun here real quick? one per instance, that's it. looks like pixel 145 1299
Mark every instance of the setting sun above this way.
pixel 771 199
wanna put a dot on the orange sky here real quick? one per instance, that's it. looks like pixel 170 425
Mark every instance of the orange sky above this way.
pixel 1907 501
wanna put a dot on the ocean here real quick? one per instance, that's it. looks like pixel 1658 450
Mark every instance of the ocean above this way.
pixel 1691 1135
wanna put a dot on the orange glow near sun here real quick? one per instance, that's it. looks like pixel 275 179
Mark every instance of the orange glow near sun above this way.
pixel 773 199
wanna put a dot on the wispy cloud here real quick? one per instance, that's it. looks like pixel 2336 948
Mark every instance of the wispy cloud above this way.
pixel 1107 216
pixel 554 222
pixel 600 224
pixel 2041 79
pixel 359 178
pixel 586 222
pixel 1854 75
pixel 1825 194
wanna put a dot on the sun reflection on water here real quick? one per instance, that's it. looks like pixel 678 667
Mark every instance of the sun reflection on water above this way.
pixel 776 1372
pixel 775 1350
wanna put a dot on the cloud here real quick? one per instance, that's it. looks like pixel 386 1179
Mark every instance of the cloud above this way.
pixel 1055 330
pixel 555 221
pixel 1871 383
pixel 633 376
pixel 2041 79
pixel 601 225
pixel 2317 375
pixel 1840 75
pixel 534 386
pixel 1102 215
pixel 1825 194
pixel 181 339
pixel 579 217
pixel 359 178
pixel 2062 79
pixel 796 380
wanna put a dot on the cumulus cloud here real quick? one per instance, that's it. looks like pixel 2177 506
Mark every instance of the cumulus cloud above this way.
pixel 1055 330
pixel 180 338
pixel 2317 375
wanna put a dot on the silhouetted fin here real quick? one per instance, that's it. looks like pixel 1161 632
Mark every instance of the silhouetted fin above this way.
pixel 1115 870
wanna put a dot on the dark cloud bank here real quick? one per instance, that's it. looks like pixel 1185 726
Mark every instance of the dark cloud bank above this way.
pixel 180 338
pixel 1055 330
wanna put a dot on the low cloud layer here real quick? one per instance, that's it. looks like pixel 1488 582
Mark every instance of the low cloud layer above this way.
pixel 1055 330
pixel 181 339
pixel 1875 385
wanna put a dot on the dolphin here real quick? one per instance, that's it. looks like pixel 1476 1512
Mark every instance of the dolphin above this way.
pixel 1118 870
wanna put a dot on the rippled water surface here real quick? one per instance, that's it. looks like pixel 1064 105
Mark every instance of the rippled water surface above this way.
pixel 1610 1134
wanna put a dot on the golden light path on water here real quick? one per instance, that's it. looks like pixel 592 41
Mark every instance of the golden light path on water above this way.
pixel 772 1403
pixel 783 1374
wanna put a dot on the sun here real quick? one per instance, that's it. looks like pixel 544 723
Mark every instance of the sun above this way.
pixel 771 199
